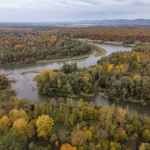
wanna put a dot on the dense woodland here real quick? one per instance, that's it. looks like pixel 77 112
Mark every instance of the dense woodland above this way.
pixel 61 124
pixel 67 81
pixel 33 43
pixel 30 45
pixel 121 76
pixel 110 33
pixel 130 74
pixel 27 45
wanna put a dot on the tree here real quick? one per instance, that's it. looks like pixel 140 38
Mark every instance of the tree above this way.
pixel 89 135
pixel 17 114
pixel 67 147
pixel 12 141
pixel 53 138
pixel 138 43
pixel 122 134
pixel 23 129
pixel 115 146
pixel 146 134
pixel 4 123
pixel 131 143
pixel 63 135
pixel 104 144
pixel 78 138
pixel 44 125
pixel 3 82
pixel 20 125
pixel 18 47
pixel 144 146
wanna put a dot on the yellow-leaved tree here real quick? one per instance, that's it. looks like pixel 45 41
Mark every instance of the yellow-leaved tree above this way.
pixel 23 129
pixel 17 114
pixel 144 146
pixel 44 125
pixel 4 123
pixel 115 146
pixel 67 147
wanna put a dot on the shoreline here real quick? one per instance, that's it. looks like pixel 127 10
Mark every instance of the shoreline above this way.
pixel 98 52
pixel 95 49
pixel 105 42
pixel 117 99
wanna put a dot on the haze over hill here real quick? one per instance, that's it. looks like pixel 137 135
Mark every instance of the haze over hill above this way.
pixel 117 22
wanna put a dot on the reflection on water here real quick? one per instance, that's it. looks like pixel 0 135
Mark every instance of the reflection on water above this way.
pixel 130 106
pixel 26 88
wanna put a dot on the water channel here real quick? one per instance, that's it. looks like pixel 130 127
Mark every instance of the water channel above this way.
pixel 25 87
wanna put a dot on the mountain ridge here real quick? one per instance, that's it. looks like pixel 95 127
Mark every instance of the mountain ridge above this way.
pixel 117 22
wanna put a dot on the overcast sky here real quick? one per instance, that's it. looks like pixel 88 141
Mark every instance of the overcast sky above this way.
pixel 72 10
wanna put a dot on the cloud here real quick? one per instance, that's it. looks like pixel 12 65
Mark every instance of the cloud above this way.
pixel 72 10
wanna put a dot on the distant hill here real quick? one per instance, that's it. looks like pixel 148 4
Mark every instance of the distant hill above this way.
pixel 117 22
pixel 76 24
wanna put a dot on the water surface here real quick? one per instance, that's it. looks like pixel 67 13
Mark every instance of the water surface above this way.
pixel 91 60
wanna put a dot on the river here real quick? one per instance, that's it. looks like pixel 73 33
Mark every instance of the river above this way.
pixel 25 87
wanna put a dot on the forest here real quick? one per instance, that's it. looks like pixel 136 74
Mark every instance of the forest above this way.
pixel 34 43
pixel 119 76
pixel 129 76
pixel 67 82
pixel 64 124
pixel 109 33
pixel 61 123
pixel 19 45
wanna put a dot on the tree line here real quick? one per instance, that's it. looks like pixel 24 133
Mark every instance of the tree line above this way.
pixel 30 45
pixel 109 33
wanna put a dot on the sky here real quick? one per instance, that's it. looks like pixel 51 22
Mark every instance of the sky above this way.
pixel 72 10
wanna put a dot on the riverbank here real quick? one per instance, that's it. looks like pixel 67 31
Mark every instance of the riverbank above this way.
pixel 105 42
pixel 87 94
pixel 54 60
pixel 7 95
pixel 129 100
pixel 96 51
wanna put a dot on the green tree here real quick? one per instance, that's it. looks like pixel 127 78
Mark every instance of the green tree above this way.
pixel 3 82
pixel 115 146
pixel 146 134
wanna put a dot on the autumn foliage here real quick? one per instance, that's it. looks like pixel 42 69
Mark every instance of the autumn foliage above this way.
pixel 67 147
